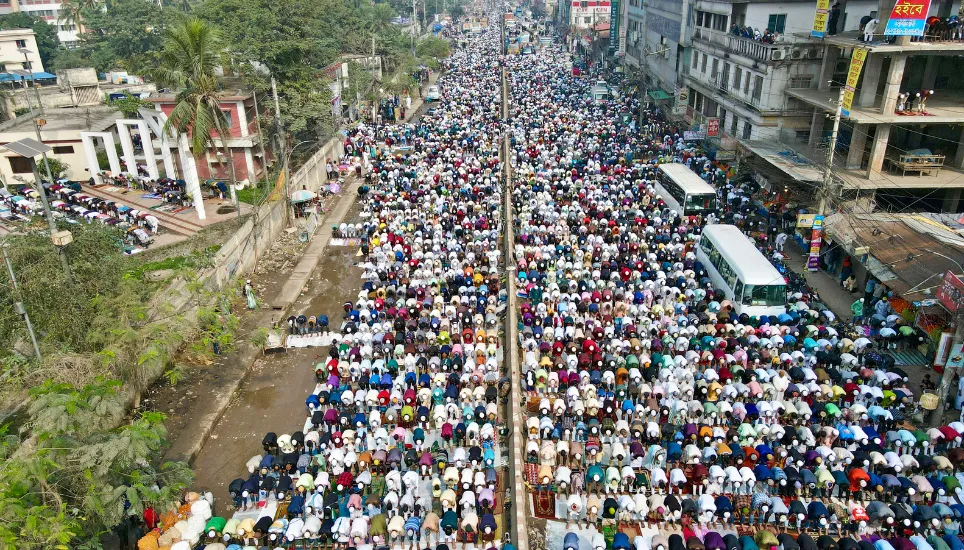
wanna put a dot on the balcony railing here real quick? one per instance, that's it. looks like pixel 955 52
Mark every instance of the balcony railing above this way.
pixel 737 44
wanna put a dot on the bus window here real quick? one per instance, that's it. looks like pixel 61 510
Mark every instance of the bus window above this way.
pixel 701 202
pixel 738 291
pixel 766 295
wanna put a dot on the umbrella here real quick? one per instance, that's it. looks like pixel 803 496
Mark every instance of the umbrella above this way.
pixel 302 195
pixel 334 187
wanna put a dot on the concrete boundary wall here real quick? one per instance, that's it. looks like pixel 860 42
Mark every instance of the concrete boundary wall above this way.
pixel 240 252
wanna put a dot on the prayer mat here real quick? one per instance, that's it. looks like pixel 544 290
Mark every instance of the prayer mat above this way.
pixel 544 505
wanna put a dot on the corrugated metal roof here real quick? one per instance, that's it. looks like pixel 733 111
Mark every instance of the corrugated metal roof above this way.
pixel 906 251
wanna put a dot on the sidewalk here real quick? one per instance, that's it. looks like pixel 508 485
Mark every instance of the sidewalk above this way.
pixel 316 248
pixel 831 293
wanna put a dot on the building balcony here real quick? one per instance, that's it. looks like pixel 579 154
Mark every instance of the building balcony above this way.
pixel 850 39
pixel 745 47
pixel 803 162
pixel 943 108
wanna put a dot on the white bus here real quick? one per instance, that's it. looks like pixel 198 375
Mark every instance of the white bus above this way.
pixel 684 191
pixel 737 268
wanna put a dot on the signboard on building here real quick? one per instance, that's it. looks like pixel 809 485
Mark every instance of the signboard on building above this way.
pixel 712 127
pixel 614 24
pixel 908 18
pixel 820 18
pixel 853 75
pixel 951 292
pixel 805 220
pixel 816 239
pixel 622 28
pixel 682 100
pixel 689 135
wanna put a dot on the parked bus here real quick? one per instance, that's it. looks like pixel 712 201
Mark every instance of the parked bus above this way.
pixel 741 271
pixel 684 191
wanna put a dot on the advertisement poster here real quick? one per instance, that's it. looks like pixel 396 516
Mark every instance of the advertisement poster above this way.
pixel 816 239
pixel 956 359
pixel 712 127
pixel 853 75
pixel 682 100
pixel 820 18
pixel 908 18
pixel 951 292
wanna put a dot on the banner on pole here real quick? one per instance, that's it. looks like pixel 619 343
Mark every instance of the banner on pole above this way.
pixel 712 127
pixel 853 75
pixel 820 18
pixel 816 239
pixel 908 18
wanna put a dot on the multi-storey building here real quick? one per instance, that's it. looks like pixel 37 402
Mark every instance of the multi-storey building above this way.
pixel 893 151
pixel 49 11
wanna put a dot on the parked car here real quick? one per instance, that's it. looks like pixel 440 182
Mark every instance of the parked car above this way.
pixel 433 94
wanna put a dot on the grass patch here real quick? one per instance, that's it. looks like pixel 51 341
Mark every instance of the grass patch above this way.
pixel 197 259
pixel 252 195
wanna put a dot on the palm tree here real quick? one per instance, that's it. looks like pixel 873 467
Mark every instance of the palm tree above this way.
pixel 192 51
pixel 72 12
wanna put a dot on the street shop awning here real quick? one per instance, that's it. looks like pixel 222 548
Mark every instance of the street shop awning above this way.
pixel 908 253
pixel 16 75
pixel 786 160
pixel 659 95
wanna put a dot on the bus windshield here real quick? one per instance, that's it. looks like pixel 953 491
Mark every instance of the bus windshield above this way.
pixel 764 295
pixel 700 202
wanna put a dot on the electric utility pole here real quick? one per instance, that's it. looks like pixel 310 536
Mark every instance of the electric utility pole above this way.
pixel 282 145
pixel 826 188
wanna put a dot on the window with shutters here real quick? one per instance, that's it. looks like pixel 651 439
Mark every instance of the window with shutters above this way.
pixel 777 22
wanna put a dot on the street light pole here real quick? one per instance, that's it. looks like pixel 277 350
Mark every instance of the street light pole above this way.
pixel 18 306
pixel 29 66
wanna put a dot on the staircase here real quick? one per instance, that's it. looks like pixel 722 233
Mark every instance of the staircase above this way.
pixel 172 222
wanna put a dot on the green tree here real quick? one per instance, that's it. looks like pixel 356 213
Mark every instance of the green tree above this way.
pixel 128 105
pixel 56 306
pixel 292 41
pixel 72 11
pixel 45 34
pixel 432 47
pixel 70 59
pixel 58 168
pixel 192 52
pixel 128 34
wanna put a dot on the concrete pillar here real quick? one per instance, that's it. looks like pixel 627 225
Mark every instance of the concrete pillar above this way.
pixel 155 120
pixel 876 163
pixel 147 142
pixel 892 87
pixel 867 95
pixel 192 182
pixel 858 142
pixel 127 145
pixel 90 151
pixel 952 201
pixel 831 55
pixel 249 163
pixel 816 127
pixel 930 72
pixel 959 154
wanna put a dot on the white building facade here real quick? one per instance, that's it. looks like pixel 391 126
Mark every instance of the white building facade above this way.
pixel 743 82
pixel 49 11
